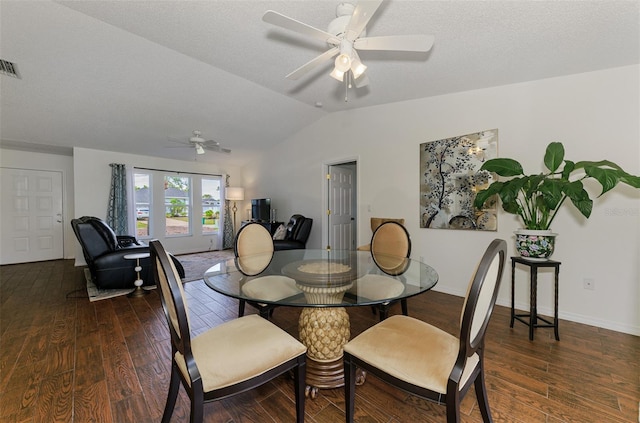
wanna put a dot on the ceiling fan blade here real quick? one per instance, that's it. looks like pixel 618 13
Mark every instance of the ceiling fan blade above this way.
pixel 302 70
pixel 286 22
pixel 360 18
pixel 179 144
pixel 217 149
pixel 419 43
pixel 363 81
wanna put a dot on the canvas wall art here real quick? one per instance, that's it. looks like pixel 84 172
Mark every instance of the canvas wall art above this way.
pixel 450 176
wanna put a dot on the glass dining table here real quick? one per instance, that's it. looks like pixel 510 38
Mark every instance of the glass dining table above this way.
pixel 323 283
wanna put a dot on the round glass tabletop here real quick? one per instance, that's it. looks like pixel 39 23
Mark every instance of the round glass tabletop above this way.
pixel 321 278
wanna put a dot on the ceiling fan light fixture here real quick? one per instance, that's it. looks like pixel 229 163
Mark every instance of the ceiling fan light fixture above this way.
pixel 343 62
pixel 357 67
pixel 199 149
pixel 337 75
pixel 196 137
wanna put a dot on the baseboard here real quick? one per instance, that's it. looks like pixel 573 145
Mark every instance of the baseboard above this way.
pixel 577 318
pixel 548 311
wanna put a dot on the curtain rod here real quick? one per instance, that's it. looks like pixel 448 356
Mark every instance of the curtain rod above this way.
pixel 175 171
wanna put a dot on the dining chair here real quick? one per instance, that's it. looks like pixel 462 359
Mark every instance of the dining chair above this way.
pixel 228 359
pixel 253 249
pixel 390 249
pixel 374 222
pixel 426 361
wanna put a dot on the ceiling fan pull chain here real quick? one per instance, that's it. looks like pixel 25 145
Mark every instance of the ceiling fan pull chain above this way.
pixel 346 86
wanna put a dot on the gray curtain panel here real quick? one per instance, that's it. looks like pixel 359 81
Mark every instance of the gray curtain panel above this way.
pixel 227 240
pixel 117 210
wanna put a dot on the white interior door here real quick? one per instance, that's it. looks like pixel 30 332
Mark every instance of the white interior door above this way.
pixel 31 220
pixel 342 208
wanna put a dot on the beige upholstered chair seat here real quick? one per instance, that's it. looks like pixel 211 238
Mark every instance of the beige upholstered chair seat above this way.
pixel 377 287
pixel 270 288
pixel 398 344
pixel 222 363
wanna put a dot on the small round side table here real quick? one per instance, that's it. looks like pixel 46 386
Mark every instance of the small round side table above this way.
pixel 138 291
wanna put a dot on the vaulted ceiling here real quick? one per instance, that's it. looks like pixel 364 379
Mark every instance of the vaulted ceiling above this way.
pixel 131 76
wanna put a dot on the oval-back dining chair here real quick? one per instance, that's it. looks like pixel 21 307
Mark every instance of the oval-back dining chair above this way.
pixel 228 359
pixel 390 249
pixel 254 251
pixel 427 361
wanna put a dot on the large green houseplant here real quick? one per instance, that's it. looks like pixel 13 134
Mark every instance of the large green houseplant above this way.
pixel 537 198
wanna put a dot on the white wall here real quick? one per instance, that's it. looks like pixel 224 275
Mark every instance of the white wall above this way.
pixel 92 175
pixel 53 162
pixel 595 115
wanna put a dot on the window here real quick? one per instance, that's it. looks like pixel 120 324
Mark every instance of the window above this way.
pixel 142 199
pixel 169 204
pixel 210 205
pixel 177 203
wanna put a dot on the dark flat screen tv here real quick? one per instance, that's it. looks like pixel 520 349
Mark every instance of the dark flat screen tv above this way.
pixel 261 209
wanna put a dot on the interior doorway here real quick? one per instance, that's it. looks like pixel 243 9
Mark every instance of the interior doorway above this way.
pixel 342 195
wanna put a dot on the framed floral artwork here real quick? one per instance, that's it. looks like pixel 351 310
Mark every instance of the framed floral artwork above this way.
pixel 450 176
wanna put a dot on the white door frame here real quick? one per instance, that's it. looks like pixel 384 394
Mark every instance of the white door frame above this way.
pixel 325 196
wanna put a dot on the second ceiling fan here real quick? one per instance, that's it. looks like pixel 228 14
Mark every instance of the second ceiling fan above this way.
pixel 346 34
pixel 200 144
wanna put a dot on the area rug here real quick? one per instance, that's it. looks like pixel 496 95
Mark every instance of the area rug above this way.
pixel 96 294
pixel 194 267
pixel 196 264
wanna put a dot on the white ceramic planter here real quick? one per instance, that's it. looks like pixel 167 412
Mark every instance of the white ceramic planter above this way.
pixel 535 244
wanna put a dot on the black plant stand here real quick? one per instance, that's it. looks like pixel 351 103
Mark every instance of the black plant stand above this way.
pixel 531 319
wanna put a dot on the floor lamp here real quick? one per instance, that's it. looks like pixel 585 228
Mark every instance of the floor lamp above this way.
pixel 234 194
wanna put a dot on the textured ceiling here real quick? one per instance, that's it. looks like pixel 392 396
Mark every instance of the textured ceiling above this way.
pixel 126 75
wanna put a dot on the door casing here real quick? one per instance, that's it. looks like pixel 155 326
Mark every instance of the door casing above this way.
pixel 347 209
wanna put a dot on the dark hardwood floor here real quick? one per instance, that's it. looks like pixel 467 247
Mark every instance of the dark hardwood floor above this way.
pixel 65 359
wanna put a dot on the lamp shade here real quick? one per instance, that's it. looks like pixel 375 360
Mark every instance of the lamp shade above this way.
pixel 235 193
pixel 343 62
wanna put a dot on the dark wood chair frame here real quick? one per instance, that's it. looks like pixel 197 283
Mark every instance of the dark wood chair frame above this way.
pixel 468 347
pixel 383 309
pixel 182 342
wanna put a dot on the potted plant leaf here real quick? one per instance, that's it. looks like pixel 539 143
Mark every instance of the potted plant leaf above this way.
pixel 536 198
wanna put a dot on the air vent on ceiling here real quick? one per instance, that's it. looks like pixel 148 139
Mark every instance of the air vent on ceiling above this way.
pixel 8 68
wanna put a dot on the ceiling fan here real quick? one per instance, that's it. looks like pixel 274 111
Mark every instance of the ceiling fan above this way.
pixel 345 35
pixel 200 144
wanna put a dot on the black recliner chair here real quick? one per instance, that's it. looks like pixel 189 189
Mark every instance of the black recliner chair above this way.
pixel 104 253
pixel 298 230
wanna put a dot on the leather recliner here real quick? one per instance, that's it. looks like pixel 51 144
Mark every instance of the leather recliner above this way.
pixel 104 253
pixel 298 230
